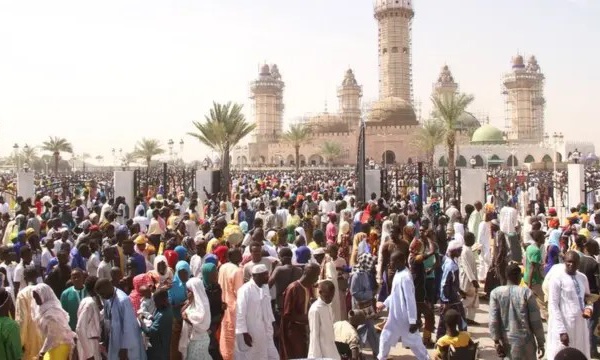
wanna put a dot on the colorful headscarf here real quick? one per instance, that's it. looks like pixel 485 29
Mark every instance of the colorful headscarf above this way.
pixel 211 258
pixel 171 257
pixel 181 252
pixel 207 269
pixel 302 254
pixel 365 263
pixel 135 296
pixel 221 253
pixel 178 292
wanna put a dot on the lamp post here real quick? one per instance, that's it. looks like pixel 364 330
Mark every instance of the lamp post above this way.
pixel 472 161
pixel 26 167
pixel 512 159
pixel 170 143
pixel 205 164
pixel 181 148
pixel 46 165
pixel 16 150
pixel 553 143
pixel 575 156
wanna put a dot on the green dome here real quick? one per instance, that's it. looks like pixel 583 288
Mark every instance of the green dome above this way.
pixel 488 134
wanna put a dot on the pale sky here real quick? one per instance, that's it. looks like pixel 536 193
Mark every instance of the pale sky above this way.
pixel 120 70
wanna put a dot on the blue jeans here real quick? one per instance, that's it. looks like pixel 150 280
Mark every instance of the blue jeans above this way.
pixel 592 325
pixel 368 335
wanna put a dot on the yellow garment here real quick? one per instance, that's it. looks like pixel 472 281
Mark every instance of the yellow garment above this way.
pixel 29 331
pixel 212 244
pixel 61 352
pixel 122 262
pixel 460 341
pixel 586 233
pixel 313 245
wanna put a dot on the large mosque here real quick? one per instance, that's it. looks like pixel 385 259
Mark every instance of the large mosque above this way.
pixel 391 121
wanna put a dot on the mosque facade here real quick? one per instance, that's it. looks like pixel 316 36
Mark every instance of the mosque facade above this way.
pixel 391 121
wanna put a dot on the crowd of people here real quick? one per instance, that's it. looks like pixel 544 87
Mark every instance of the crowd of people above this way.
pixel 292 267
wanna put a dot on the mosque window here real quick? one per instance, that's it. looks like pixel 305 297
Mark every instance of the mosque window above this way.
pixel 384 50
pixel 394 49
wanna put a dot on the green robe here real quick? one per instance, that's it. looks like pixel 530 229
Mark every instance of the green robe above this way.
pixel 69 300
pixel 10 339
pixel 159 334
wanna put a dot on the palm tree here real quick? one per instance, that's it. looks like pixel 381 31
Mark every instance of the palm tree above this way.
pixel 331 151
pixel 127 159
pixel 448 108
pixel 57 145
pixel 296 136
pixel 146 149
pixel 430 135
pixel 224 127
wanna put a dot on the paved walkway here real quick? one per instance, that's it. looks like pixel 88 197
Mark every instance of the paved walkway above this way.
pixel 479 333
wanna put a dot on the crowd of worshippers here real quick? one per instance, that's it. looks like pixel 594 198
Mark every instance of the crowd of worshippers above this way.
pixel 317 275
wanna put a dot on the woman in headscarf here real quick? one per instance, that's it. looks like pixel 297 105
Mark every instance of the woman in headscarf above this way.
pixel 221 253
pixel 459 232
pixel 359 246
pixel 303 255
pixel 344 241
pixel 53 322
pixel 162 273
pixel 141 243
pixel 177 297
pixel 386 232
pixel 210 277
pixel 172 258
pixel 195 340
pixel 182 253
pixel 189 244
pixel 362 289
pixel 135 296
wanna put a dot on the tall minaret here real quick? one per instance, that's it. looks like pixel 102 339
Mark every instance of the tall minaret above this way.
pixel 524 91
pixel 445 83
pixel 267 93
pixel 394 18
pixel 349 95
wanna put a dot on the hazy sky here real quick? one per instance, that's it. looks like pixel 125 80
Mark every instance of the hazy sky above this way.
pixel 104 74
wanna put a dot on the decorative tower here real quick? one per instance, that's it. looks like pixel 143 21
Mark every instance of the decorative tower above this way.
pixel 524 91
pixel 349 95
pixel 394 18
pixel 445 83
pixel 267 94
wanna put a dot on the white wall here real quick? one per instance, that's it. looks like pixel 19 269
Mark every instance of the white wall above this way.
pixel 372 183
pixel 25 186
pixel 575 178
pixel 123 184
pixel 472 186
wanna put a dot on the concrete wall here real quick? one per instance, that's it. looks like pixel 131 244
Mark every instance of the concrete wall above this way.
pixel 25 186
pixel 576 177
pixel 372 183
pixel 472 186
pixel 123 184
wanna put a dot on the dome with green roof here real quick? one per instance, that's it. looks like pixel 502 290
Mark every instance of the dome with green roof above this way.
pixel 488 134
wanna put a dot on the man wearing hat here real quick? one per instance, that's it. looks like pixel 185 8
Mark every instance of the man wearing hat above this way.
pixel 254 318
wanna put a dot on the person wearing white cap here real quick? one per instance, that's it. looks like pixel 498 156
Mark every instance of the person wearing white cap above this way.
pixel 450 293
pixel 254 318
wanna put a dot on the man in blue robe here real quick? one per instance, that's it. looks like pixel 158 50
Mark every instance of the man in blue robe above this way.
pixel 125 337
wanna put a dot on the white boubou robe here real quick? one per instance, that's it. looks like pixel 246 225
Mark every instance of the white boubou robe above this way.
pixel 402 309
pixel 468 273
pixel 322 336
pixel 255 317
pixel 565 309
pixel 484 235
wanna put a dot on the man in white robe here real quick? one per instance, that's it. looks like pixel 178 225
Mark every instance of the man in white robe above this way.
pixel 320 322
pixel 484 235
pixel 566 305
pixel 468 279
pixel 254 318
pixel 402 318
pixel 475 219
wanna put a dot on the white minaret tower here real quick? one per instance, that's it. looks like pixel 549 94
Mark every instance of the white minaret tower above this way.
pixel 524 91
pixel 394 18
pixel 349 95
pixel 267 93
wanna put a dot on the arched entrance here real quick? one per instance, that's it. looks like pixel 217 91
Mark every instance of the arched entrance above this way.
pixel 409 161
pixel 547 159
pixel 529 159
pixel 388 157
pixel 461 161
pixel 290 160
pixel 315 160
pixel 262 160
pixel 302 160
pixel 442 162
pixel 512 161
pixel 478 160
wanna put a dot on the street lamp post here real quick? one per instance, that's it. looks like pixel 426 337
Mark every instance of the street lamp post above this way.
pixel 16 150
pixel 181 148
pixel 513 152
pixel 170 143
pixel 46 165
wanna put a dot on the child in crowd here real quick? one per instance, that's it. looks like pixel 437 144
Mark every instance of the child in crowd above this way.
pixel 456 339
